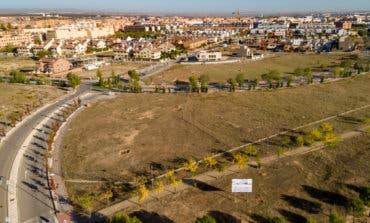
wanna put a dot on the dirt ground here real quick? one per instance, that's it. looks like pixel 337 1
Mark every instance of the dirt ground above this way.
pixel 118 139
pixel 295 188
pixel 119 68
pixel 15 98
pixel 285 63
pixel 15 63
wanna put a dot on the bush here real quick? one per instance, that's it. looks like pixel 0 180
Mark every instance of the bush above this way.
pixel 206 219
pixel 299 140
pixel 315 134
pixel 123 218
pixel 251 150
pixel 356 207
pixel 310 220
pixel 275 220
pixel 335 218
pixel 326 127
pixel 330 139
pixel 17 77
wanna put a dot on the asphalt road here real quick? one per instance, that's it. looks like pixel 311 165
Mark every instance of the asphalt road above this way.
pixel 32 193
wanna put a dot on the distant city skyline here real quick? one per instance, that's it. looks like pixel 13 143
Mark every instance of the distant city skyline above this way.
pixel 189 6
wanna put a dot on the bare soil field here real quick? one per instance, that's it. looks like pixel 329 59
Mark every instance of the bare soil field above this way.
pixel 285 63
pixel 15 63
pixel 18 99
pixel 119 68
pixel 121 138
pixel 295 188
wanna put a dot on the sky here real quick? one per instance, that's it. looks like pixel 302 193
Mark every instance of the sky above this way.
pixel 189 6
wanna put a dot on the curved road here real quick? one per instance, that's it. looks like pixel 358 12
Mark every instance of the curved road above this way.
pixel 33 197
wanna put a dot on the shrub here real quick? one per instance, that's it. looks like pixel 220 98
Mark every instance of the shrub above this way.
pixel 206 219
pixel 191 166
pixel 330 139
pixel 251 150
pixel 299 140
pixel 241 160
pixel 123 218
pixel 308 140
pixel 280 151
pixel 356 207
pixel 326 127
pixel 310 220
pixel 210 161
pixel 335 218
pixel 315 134
pixel 275 220
pixel 143 192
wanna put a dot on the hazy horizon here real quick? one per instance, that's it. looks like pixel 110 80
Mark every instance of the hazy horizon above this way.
pixel 187 7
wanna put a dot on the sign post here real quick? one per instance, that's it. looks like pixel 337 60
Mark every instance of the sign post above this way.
pixel 241 185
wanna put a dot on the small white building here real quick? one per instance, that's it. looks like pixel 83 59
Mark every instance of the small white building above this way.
pixel 209 56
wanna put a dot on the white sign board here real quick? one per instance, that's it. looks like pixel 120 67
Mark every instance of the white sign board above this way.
pixel 241 186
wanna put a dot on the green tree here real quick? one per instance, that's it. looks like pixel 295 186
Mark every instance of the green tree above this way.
pixel 203 79
pixel 134 75
pixel 84 202
pixel 271 75
pixel 193 84
pixel 335 218
pixel 232 84
pixel 298 71
pixel 123 218
pixel 355 207
pixel 337 71
pixel 43 53
pixel 17 77
pixel 240 80
pixel 100 76
pixel 73 80
pixel 206 219
pixel 115 79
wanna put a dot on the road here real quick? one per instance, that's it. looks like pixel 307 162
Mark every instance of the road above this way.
pixel 33 196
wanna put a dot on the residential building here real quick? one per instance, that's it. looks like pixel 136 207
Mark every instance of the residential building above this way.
pixel 14 38
pixel 51 66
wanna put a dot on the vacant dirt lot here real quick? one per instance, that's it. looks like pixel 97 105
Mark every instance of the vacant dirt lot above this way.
pixel 295 188
pixel 119 68
pixel 18 98
pixel 15 63
pixel 118 139
pixel 285 63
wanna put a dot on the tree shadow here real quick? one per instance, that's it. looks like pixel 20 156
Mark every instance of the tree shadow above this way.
pixel 200 185
pixel 303 204
pixel 151 217
pixel 292 217
pixel 326 196
pixel 258 218
pixel 223 217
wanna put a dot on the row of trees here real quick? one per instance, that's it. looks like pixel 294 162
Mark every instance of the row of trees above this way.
pixel 199 84
pixel 114 81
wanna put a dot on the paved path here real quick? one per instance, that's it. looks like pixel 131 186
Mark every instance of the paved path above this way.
pixel 31 204
pixel 211 176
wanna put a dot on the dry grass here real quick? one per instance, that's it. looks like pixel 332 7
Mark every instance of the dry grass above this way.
pixel 285 63
pixel 119 68
pixel 16 63
pixel 166 129
pixel 17 98
pixel 295 188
